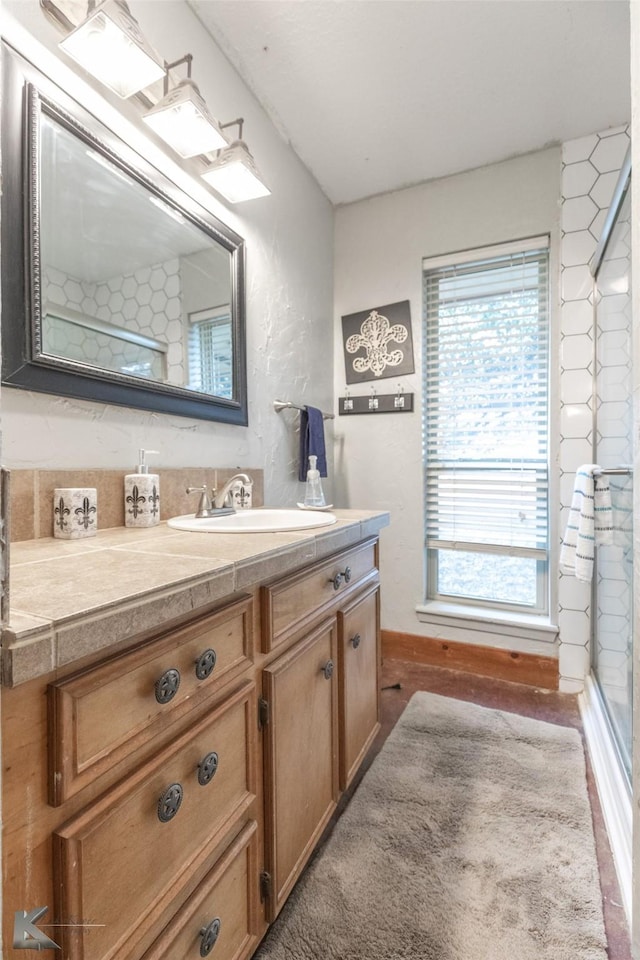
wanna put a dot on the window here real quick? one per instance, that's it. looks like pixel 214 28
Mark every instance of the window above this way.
pixel 486 427
pixel 211 351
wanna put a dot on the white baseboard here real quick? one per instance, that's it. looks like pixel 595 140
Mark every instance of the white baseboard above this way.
pixel 612 784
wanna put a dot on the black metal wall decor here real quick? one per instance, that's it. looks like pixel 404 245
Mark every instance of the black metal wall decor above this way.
pixel 378 343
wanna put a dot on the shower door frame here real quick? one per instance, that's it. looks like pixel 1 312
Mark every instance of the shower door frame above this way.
pixel 611 778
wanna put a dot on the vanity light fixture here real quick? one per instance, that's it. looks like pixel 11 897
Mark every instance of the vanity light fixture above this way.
pixel 233 173
pixel 110 45
pixel 182 118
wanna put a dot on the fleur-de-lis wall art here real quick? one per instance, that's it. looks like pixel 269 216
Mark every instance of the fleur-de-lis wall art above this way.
pixel 378 343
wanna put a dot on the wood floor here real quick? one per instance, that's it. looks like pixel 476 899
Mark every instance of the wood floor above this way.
pixel 527 701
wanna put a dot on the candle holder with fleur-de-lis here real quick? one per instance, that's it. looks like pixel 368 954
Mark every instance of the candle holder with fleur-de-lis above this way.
pixel 75 512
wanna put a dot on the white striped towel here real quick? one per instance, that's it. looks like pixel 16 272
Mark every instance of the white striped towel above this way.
pixel 590 522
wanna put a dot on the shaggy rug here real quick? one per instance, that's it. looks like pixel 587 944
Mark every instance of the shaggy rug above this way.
pixel 469 838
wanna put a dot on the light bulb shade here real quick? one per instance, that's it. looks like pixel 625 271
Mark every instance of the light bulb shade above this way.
pixel 110 45
pixel 234 174
pixel 183 120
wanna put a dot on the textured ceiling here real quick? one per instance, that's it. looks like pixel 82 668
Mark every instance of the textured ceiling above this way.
pixel 375 95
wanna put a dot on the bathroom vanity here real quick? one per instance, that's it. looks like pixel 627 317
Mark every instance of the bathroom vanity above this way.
pixel 181 714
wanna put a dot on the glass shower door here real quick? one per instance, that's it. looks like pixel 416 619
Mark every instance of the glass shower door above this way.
pixel 612 647
pixel 612 660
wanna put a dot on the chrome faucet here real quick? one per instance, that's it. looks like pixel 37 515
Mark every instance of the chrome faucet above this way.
pixel 205 505
pixel 220 499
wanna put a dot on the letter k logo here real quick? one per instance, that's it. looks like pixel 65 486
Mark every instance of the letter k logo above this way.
pixel 26 935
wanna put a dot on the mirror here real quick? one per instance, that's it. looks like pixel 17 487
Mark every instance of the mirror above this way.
pixel 129 292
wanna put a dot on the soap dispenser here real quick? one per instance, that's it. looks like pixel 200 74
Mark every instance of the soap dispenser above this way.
pixel 142 496
pixel 313 495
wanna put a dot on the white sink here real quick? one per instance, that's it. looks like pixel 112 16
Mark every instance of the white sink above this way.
pixel 261 520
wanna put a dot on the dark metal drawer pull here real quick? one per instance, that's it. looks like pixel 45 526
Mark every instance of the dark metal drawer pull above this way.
pixel 167 685
pixel 205 664
pixel 169 803
pixel 207 768
pixel 339 577
pixel 209 936
pixel 327 670
pixel 355 641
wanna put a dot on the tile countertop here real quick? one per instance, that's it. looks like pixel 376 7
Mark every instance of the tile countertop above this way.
pixel 69 599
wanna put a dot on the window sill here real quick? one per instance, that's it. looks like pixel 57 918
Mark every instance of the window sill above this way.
pixel 502 622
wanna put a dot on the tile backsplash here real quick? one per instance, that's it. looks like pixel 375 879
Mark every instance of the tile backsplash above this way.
pixel 32 494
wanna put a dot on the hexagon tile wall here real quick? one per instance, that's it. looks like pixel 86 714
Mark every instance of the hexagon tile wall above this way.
pixel 590 169
pixel 147 301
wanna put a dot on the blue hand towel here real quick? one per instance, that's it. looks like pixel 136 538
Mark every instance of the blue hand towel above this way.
pixel 312 441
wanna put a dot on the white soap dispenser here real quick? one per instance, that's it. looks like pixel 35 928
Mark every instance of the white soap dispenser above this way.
pixel 313 495
pixel 142 496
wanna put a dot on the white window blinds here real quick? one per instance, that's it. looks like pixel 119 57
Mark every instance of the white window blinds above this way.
pixel 211 352
pixel 486 401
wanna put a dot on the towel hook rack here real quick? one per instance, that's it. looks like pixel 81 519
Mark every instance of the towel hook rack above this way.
pixel 279 405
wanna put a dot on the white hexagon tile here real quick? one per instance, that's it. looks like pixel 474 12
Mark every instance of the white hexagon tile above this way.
pixel 590 171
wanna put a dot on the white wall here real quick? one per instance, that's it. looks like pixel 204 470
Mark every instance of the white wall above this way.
pixel 289 283
pixel 379 246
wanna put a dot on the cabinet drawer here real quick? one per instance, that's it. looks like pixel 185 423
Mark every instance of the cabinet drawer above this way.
pixel 222 912
pixel 102 714
pixel 123 861
pixel 293 602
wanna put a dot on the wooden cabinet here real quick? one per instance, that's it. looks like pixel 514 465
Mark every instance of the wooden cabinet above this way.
pixel 294 602
pixel 140 692
pixel 301 770
pixel 154 831
pixel 163 799
pixel 320 702
pixel 221 912
pixel 359 680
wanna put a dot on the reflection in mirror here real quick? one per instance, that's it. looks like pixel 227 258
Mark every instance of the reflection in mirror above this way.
pixel 210 351
pixel 134 292
pixel 75 336
pixel 113 252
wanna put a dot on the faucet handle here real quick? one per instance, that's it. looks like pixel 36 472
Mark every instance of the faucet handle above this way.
pixel 204 506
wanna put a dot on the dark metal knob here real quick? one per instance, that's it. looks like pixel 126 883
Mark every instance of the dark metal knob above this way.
pixel 209 936
pixel 327 670
pixel 169 803
pixel 167 685
pixel 355 641
pixel 207 768
pixel 205 664
pixel 339 577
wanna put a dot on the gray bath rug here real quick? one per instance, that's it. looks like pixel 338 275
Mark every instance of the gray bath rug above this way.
pixel 469 838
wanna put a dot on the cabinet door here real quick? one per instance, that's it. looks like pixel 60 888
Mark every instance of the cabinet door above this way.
pixel 301 768
pixel 359 663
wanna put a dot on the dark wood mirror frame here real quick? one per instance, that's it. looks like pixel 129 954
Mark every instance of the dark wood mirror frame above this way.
pixel 27 92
